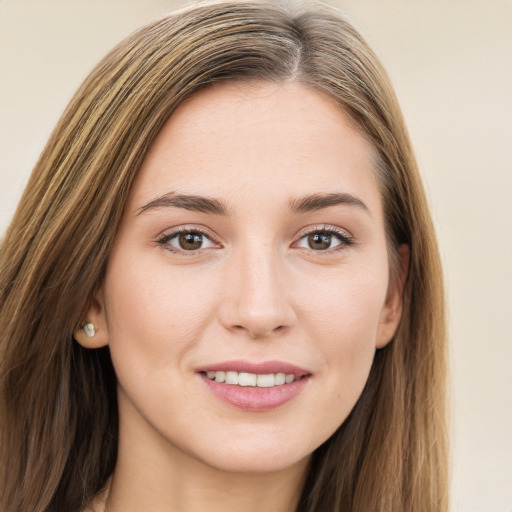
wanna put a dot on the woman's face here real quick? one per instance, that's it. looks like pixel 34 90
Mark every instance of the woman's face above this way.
pixel 252 248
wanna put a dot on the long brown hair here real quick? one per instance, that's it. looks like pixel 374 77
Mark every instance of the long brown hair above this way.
pixel 58 410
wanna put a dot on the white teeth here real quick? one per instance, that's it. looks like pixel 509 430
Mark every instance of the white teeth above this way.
pixel 279 379
pixel 231 378
pixel 246 379
pixel 251 379
pixel 266 381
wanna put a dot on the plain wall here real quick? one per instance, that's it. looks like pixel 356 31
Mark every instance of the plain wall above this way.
pixel 451 63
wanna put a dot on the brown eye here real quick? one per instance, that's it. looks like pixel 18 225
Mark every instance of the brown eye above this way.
pixel 190 241
pixel 319 241
pixel 325 240
pixel 186 241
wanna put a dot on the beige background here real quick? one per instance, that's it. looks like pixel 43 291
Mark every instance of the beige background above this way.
pixel 451 63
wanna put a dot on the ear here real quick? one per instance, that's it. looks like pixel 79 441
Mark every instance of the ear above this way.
pixel 392 310
pixel 92 331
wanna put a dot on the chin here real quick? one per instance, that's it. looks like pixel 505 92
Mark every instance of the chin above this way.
pixel 250 463
pixel 262 454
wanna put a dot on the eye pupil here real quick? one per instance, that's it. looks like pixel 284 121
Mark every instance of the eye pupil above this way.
pixel 319 241
pixel 190 241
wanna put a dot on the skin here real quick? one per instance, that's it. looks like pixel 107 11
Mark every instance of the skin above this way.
pixel 255 290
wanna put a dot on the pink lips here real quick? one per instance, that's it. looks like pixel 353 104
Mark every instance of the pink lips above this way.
pixel 255 399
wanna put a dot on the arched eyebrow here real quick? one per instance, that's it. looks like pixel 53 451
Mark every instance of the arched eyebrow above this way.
pixel 188 202
pixel 319 201
pixel 214 206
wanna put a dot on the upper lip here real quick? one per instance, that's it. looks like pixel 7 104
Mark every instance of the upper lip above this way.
pixel 261 368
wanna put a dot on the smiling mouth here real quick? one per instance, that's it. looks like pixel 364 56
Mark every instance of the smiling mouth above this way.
pixel 245 379
pixel 255 387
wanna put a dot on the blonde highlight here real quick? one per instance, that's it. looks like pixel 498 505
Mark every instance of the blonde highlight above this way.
pixel 58 438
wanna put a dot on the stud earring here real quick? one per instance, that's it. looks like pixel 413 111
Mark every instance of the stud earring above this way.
pixel 89 329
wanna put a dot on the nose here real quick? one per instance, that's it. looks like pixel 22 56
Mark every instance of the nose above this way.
pixel 256 300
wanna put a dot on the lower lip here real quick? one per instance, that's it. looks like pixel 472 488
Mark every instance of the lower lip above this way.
pixel 255 399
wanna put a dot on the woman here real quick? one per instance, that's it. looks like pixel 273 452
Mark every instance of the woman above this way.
pixel 221 287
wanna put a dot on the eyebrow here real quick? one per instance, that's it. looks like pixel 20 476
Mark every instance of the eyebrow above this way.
pixel 211 205
pixel 188 202
pixel 319 201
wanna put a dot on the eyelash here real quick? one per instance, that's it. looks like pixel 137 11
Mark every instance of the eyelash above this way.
pixel 167 237
pixel 344 239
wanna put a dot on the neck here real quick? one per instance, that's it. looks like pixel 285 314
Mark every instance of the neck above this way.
pixel 153 475
pixel 186 486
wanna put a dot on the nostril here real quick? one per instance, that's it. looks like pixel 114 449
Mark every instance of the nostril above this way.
pixel 259 332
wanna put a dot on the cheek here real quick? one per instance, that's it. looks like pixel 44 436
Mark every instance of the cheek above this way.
pixel 345 322
pixel 154 313
pixel 347 306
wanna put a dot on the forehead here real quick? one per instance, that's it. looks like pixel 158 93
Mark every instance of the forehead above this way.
pixel 274 141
